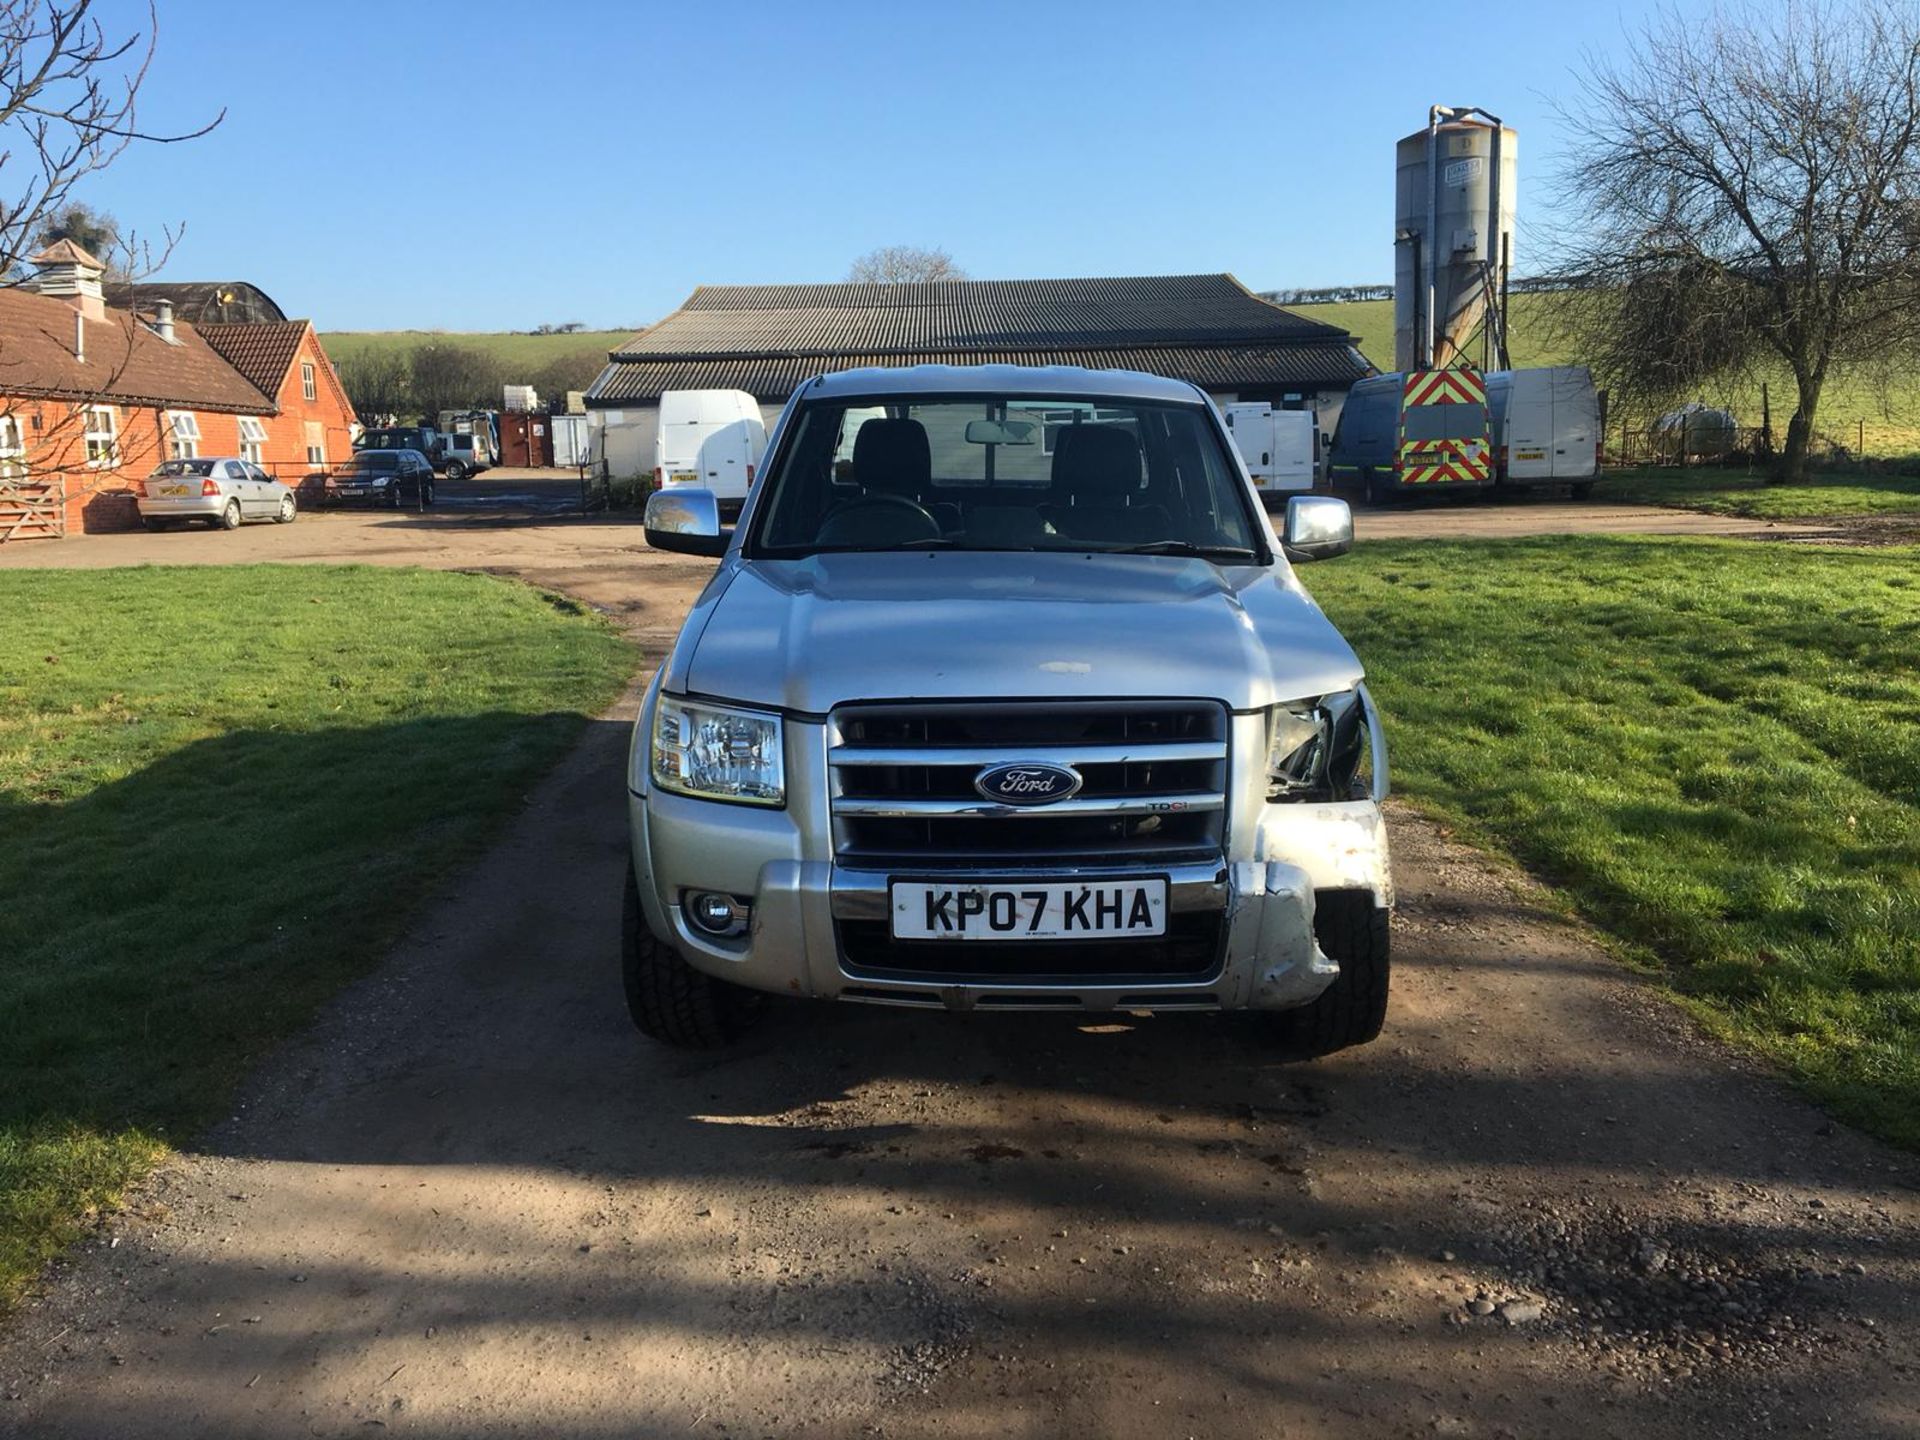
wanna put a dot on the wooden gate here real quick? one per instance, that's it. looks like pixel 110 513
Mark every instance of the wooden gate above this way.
pixel 33 508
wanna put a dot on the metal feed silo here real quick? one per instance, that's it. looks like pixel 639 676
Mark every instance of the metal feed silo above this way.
pixel 1454 191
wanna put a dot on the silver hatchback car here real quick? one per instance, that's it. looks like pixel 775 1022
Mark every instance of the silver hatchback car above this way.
pixel 223 490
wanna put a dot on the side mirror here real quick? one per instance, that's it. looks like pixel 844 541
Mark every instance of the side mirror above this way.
pixel 1318 528
pixel 686 521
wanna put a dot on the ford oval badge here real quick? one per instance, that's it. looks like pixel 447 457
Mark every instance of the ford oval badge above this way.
pixel 1027 783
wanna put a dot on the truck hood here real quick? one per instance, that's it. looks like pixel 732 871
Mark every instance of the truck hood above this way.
pixel 807 635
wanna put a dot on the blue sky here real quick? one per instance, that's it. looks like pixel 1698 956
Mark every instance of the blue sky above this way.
pixel 478 166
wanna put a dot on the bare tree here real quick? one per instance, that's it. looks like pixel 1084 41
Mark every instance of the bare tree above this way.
pixel 1748 183
pixel 68 93
pixel 904 265
pixel 448 376
pixel 574 370
pixel 377 383
pixel 68 102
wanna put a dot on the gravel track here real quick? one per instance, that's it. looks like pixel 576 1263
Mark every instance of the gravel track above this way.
pixel 473 1201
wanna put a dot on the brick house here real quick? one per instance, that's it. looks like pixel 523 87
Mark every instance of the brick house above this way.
pixel 92 398
pixel 313 422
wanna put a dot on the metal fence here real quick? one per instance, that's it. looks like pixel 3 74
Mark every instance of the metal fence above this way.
pixel 1871 444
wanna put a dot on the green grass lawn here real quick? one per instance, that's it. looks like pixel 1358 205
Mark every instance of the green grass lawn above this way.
pixel 1851 409
pixel 1713 746
pixel 222 791
pixel 1731 492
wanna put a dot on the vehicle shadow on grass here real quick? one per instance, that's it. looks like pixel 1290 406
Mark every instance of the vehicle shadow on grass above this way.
pixel 473 1145
pixel 524 951
pixel 163 931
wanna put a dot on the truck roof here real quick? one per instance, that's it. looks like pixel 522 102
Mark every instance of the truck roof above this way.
pixel 1045 381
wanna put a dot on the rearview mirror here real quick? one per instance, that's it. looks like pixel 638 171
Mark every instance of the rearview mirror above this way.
pixel 1000 432
pixel 686 521
pixel 1318 528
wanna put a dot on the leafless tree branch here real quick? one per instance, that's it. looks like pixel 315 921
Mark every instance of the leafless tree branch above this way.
pixel 904 265
pixel 1750 182
pixel 69 94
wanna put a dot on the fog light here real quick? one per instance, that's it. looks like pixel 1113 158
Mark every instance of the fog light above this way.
pixel 717 914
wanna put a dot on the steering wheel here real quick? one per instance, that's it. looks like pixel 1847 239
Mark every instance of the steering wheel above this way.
pixel 878 518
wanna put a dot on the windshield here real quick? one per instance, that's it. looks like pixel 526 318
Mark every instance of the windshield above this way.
pixel 375 460
pixel 185 467
pixel 1004 473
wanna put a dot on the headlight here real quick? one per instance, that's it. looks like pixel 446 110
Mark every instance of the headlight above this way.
pixel 718 753
pixel 1315 748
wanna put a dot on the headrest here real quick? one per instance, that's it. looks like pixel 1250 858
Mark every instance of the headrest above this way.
pixel 1096 465
pixel 893 458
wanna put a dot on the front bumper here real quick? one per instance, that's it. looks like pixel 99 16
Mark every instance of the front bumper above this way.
pixel 1262 893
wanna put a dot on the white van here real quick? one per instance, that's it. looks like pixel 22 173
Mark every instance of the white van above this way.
pixel 710 440
pixel 1277 445
pixel 1546 426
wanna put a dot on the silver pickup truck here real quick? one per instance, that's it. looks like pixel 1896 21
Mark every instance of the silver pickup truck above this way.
pixel 1004 696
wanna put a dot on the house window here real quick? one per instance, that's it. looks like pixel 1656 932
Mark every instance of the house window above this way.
pixel 316 443
pixel 13 462
pixel 306 380
pixel 183 439
pixel 103 437
pixel 253 439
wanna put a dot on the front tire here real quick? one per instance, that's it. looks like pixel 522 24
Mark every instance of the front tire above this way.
pixel 1355 932
pixel 287 511
pixel 230 517
pixel 669 1000
pixel 456 470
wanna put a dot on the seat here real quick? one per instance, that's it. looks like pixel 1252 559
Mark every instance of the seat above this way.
pixel 892 457
pixel 893 466
pixel 1096 482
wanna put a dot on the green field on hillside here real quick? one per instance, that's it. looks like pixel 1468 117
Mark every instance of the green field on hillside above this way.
pixel 1851 411
pixel 529 351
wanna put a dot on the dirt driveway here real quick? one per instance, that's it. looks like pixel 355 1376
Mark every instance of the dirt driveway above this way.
pixel 473 1201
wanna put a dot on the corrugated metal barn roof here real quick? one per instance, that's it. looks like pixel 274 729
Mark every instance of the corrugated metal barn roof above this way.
pixel 773 377
pixel 767 339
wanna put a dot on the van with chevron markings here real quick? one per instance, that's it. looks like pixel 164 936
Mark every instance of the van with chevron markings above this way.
pixel 1413 432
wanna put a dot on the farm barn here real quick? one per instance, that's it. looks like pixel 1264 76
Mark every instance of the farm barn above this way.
pixel 767 339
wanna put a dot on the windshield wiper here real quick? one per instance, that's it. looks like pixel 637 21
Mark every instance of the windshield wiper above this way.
pixel 1185 547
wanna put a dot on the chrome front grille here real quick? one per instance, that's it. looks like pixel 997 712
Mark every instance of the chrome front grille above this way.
pixel 1154 791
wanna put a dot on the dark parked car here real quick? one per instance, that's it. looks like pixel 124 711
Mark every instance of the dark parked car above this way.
pixel 397 479
pixel 424 438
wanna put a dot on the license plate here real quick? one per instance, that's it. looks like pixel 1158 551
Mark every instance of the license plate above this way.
pixel 170 490
pixel 1028 910
pixel 684 477
pixel 1529 454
